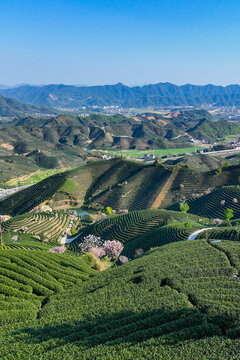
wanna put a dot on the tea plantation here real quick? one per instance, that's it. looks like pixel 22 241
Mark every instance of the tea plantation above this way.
pixel 180 301
pixel 173 294
pixel 123 184
pixel 210 205
pixel 49 225
pixel 28 278
pixel 143 229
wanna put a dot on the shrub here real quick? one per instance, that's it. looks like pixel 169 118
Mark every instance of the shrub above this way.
pixel 228 214
pixel 184 207
pixel 73 231
pixel 218 171
pixel 98 252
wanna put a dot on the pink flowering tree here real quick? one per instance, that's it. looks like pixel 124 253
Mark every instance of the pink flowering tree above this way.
pixel 207 191
pixel 181 186
pixel 58 249
pixel 217 222
pixel 15 238
pixel 235 201
pixel 222 202
pixel 112 249
pixel 138 252
pixel 123 259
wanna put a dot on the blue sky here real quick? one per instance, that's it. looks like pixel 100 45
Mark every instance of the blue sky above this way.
pixel 108 41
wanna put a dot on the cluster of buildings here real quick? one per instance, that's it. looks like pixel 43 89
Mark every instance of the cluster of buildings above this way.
pixel 148 157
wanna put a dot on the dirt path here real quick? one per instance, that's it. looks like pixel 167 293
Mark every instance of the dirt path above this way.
pixel 164 190
pixel 195 233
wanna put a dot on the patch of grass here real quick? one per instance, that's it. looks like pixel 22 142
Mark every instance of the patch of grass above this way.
pixel 160 152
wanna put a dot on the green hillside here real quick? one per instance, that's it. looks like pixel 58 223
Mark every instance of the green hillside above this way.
pixel 210 205
pixel 28 278
pixel 124 184
pixel 10 107
pixel 177 302
pixel 143 229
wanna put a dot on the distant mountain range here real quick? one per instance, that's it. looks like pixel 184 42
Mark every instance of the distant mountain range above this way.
pixel 162 94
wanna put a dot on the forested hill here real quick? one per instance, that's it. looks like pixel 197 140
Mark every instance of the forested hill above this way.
pixel 10 107
pixel 161 94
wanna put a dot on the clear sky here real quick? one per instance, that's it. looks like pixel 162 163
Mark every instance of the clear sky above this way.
pixel 130 41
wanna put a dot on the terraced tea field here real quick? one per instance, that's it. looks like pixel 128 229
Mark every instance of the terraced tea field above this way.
pixel 210 205
pixel 177 302
pixel 121 184
pixel 51 225
pixel 28 278
pixel 144 229
pixel 27 199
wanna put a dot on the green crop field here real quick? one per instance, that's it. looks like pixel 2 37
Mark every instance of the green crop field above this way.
pixel 160 152
pixel 177 302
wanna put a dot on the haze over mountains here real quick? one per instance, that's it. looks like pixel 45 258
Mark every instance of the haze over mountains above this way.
pixel 158 95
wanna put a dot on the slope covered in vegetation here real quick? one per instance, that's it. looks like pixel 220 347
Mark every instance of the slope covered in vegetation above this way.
pixel 214 205
pixel 122 184
pixel 29 277
pixel 178 302
pixel 143 229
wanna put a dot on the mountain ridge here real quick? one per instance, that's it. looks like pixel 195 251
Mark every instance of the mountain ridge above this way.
pixel 159 95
